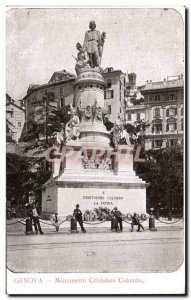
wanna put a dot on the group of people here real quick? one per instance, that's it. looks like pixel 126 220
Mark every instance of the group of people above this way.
pixel 119 219
pixel 115 213
pixel 32 213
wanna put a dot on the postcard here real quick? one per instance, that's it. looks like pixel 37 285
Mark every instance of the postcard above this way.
pixel 95 137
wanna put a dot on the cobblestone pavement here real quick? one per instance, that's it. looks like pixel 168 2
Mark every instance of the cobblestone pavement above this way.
pixel 97 251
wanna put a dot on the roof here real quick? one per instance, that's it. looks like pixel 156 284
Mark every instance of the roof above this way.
pixel 166 84
pixel 61 75
pixel 111 70
pixel 13 103
pixel 9 99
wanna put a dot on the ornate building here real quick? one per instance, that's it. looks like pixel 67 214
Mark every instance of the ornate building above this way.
pixel 164 112
pixel 59 90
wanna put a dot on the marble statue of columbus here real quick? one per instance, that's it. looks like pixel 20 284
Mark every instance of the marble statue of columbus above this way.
pixel 93 44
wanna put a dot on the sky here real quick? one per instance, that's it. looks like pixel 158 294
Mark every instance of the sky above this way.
pixel 40 41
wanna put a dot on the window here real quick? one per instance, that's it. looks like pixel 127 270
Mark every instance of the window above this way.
pixel 109 109
pixel 172 96
pixel 61 91
pixel 182 111
pixel 129 116
pixel 171 127
pixel 173 142
pixel 108 94
pixel 157 112
pixel 62 102
pixel 51 96
pixel 138 117
pixel 158 128
pixel 157 98
pixel 172 111
pixel 108 83
pixel 19 124
pixel 156 143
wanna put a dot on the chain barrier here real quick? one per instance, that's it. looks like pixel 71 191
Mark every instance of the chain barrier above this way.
pixel 45 222
pixel 173 222
pixel 64 221
pixel 18 221
pixel 126 221
pixel 23 222
pixel 85 222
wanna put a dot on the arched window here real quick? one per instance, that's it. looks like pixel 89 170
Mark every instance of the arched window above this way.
pixel 171 125
pixel 157 112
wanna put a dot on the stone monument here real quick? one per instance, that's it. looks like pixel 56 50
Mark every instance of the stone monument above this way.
pixel 89 171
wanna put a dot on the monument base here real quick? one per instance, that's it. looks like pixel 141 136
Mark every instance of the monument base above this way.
pixel 103 189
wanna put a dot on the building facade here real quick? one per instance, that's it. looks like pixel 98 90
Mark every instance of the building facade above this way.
pixel 115 93
pixel 164 111
pixel 15 119
pixel 59 89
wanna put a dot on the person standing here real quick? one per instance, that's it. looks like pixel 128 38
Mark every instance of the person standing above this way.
pixel 33 214
pixel 118 216
pixel 55 221
pixel 78 216
pixel 92 44
pixel 136 221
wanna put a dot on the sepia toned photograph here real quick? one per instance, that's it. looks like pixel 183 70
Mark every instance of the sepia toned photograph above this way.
pixel 95 137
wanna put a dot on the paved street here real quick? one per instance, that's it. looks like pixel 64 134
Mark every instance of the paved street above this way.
pixel 106 251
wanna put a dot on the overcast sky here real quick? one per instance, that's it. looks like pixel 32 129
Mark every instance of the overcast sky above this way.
pixel 149 42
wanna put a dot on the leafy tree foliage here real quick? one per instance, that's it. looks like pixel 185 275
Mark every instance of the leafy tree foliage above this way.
pixel 163 171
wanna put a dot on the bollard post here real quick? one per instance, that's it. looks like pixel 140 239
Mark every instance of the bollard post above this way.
pixel 29 230
pixel 73 225
pixel 152 221
pixel 113 224
pixel 170 215
pixel 157 214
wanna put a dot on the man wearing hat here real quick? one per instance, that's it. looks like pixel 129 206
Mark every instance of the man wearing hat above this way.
pixel 118 216
pixel 32 213
pixel 78 215
pixel 136 221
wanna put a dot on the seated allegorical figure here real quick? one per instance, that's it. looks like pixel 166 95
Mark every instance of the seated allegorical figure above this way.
pixel 81 58
pixel 72 127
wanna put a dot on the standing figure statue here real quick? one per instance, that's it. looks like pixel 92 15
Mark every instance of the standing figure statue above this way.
pixel 72 127
pixel 93 43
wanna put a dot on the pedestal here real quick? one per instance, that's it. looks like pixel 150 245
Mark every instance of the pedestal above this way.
pixel 92 173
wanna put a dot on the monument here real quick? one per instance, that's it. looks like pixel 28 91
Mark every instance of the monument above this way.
pixel 87 170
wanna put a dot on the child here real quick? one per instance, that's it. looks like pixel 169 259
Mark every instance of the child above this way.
pixel 55 221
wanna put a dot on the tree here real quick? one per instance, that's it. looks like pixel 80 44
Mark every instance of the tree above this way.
pixel 163 171
pixel 27 169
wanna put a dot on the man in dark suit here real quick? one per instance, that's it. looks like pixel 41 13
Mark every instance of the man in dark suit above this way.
pixel 118 216
pixel 33 214
pixel 136 221
pixel 78 215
